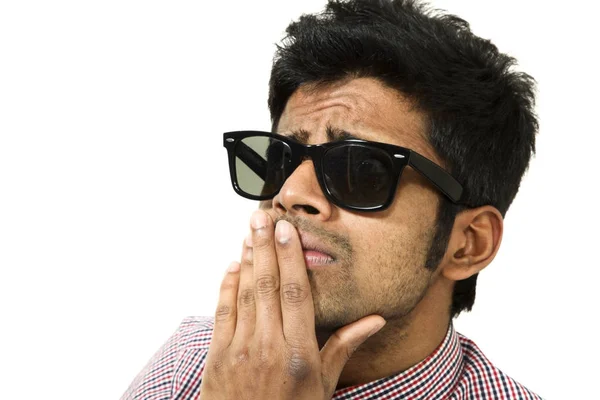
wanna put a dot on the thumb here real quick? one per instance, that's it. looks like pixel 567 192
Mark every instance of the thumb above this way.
pixel 343 343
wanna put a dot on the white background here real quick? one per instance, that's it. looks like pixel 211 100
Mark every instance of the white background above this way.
pixel 117 218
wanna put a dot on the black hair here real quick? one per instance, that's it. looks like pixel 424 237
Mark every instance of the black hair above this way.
pixel 480 111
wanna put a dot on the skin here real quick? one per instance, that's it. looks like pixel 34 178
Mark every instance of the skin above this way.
pixel 315 337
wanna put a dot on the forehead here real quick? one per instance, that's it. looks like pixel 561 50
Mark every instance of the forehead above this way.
pixel 362 107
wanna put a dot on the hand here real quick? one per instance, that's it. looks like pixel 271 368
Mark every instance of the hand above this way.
pixel 264 344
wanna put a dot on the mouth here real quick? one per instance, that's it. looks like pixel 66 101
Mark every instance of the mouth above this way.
pixel 315 253
pixel 315 259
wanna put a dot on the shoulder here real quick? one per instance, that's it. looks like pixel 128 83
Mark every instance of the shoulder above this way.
pixel 177 366
pixel 483 380
pixel 195 333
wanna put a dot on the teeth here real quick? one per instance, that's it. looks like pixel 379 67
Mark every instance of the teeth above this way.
pixel 318 260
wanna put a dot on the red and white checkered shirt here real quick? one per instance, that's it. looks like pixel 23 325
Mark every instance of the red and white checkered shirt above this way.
pixel 457 369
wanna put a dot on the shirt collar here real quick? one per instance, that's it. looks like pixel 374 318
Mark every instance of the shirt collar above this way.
pixel 434 377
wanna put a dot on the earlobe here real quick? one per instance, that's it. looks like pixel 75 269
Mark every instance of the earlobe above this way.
pixel 474 242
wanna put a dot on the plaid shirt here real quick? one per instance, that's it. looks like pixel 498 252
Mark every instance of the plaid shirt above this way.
pixel 457 369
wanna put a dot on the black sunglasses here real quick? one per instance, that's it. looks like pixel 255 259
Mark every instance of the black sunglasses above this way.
pixel 354 174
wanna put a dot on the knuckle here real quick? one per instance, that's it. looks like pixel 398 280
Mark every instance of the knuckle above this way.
pixel 266 285
pixel 293 293
pixel 346 350
pixel 246 297
pixel 299 366
pixel 224 313
pixel 261 239
pixel 287 257
pixel 241 356
pixel 218 366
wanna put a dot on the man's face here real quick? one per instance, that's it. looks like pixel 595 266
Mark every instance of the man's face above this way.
pixel 367 263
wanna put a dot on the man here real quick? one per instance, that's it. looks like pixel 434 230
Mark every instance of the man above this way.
pixel 399 142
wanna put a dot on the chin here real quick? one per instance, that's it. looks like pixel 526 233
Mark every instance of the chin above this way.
pixel 328 319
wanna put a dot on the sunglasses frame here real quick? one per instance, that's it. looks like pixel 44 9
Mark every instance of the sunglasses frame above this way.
pixel 400 156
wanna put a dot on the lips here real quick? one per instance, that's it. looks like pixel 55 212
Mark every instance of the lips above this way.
pixel 315 252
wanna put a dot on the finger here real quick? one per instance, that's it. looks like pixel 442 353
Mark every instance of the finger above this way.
pixel 296 298
pixel 246 313
pixel 344 342
pixel 266 276
pixel 226 313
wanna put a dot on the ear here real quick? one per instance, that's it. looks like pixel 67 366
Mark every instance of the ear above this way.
pixel 474 242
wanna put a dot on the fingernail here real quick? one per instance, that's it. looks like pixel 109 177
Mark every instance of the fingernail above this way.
pixel 249 240
pixel 233 267
pixel 283 232
pixel 376 329
pixel 258 220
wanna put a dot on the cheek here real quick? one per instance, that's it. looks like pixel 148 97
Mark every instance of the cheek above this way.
pixel 377 247
pixel 392 247
pixel 389 269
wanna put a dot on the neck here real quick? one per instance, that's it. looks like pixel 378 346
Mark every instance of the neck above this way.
pixel 402 343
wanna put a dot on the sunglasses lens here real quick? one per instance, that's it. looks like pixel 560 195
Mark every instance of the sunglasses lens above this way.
pixel 261 165
pixel 358 176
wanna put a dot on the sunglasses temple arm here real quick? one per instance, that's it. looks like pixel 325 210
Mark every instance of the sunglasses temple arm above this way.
pixel 437 175
pixel 252 159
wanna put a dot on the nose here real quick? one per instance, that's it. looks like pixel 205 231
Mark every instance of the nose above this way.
pixel 301 195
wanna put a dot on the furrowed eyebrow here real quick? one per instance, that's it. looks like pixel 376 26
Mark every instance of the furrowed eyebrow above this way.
pixel 333 134
pixel 300 135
